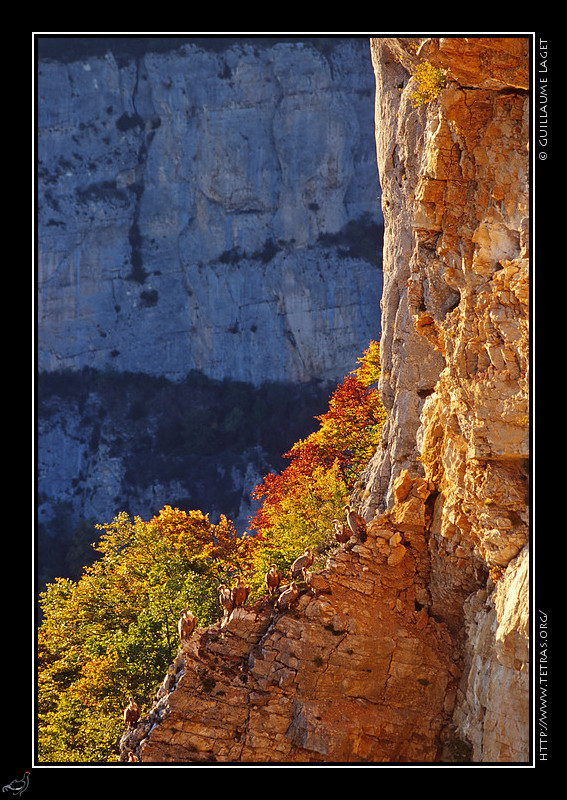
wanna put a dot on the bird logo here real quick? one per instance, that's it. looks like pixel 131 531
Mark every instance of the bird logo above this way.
pixel 18 786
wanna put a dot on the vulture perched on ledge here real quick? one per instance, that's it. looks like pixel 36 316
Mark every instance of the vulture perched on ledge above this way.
pixel 225 599
pixel 240 593
pixel 356 523
pixel 316 583
pixel 131 714
pixel 303 561
pixel 288 597
pixel 186 625
pixel 273 579
pixel 341 535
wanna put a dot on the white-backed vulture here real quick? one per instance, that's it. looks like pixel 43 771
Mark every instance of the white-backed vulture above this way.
pixel 303 561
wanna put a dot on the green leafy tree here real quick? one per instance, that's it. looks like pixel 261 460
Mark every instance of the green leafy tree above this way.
pixel 112 633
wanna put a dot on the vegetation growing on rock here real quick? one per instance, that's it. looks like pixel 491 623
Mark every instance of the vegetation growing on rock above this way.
pixel 112 634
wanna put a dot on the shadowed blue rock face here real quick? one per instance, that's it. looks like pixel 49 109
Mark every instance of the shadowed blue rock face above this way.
pixel 205 207
pixel 213 206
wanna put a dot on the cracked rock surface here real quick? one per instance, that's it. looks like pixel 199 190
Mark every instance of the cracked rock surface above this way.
pixel 362 673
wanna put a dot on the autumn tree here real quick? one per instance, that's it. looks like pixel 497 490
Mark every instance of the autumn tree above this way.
pixel 299 504
pixel 112 633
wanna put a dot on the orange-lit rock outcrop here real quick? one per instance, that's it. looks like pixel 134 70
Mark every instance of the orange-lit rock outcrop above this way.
pixel 419 653
pixel 359 673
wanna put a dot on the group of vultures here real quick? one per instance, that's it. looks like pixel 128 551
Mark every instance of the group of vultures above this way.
pixel 285 596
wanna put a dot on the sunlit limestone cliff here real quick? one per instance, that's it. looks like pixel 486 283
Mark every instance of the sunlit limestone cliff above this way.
pixel 414 649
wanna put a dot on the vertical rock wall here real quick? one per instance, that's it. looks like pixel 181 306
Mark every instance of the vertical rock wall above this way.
pixel 205 205
pixel 455 315
pixel 202 207
pixel 416 650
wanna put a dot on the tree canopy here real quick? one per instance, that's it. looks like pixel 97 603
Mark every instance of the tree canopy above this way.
pixel 111 634
pixel 299 504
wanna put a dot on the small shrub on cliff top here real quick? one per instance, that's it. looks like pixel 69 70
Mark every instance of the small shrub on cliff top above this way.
pixel 430 80
pixel 496 572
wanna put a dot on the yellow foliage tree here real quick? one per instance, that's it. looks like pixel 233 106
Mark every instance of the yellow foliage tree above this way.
pixel 112 633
